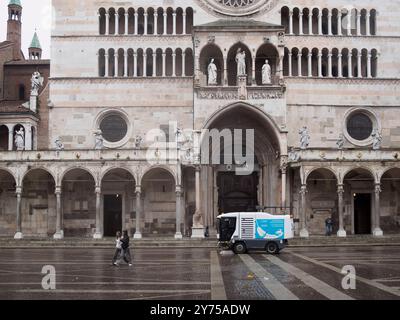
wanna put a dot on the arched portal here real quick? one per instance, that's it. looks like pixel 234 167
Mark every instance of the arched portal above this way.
pixel 118 193
pixel 321 201
pixel 8 203
pixel 158 203
pixel 38 204
pixel 359 190
pixel 78 203
pixel 248 174
pixel 390 201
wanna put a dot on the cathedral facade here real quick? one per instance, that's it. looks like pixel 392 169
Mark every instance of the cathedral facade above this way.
pixel 160 115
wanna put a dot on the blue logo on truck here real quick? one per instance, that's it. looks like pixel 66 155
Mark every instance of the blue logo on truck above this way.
pixel 270 229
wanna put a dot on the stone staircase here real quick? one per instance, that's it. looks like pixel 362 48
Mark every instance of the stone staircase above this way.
pixel 169 242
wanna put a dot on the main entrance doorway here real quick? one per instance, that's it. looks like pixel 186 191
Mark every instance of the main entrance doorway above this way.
pixel 237 193
pixel 112 214
pixel 362 213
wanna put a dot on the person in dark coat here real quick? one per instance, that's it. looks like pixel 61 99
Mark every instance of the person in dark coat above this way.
pixel 126 253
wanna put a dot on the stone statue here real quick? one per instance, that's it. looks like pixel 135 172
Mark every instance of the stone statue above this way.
pixel 340 142
pixel 241 63
pixel 304 138
pixel 99 141
pixel 59 145
pixel 36 83
pixel 19 139
pixel 197 220
pixel 138 141
pixel 266 73
pixel 293 155
pixel 376 139
pixel 212 73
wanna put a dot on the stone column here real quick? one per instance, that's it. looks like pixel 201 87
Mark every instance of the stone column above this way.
pixel 183 64
pixel 350 63
pixel 303 216
pixel 369 74
pixel 198 230
pixel 340 65
pixel 19 235
pixel 165 23
pixel 377 231
pixel 174 64
pixel 178 234
pixel 281 67
pixel 126 23
pixel 164 67
pixel 146 16
pixel 174 23
pixel 136 31
pixel 310 64
pixel 184 23
pixel 126 63
pixel 225 80
pixel 290 21
pixel 107 23
pixel 59 227
pixel 320 23
pixel 99 223
pixel 116 23
pixel 339 22
pixel 154 64
pixel 144 64
pixel 330 23
pixel 116 56
pixel 135 62
pixel 28 137
pixel 340 191
pixel 301 23
pixel 310 24
pixel 330 65
pixel 349 22
pixel 284 175
pixel 253 76
pixel 368 21
pixel 359 73
pixel 290 65
pixel 359 23
pixel 138 192
pixel 10 137
pixel 320 65
pixel 107 68
pixel 299 66
pixel 155 23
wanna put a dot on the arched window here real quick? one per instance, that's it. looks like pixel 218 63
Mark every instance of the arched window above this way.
pixel 102 63
pixel 189 63
pixel 3 138
pixel 21 92
pixel 209 52
pixel 189 20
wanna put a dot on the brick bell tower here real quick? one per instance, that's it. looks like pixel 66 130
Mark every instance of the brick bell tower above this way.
pixel 14 26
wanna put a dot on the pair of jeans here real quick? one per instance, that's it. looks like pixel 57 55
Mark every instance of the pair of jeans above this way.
pixel 117 255
pixel 329 229
pixel 126 254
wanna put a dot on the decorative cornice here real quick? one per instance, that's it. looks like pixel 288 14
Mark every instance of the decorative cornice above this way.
pixel 387 81
pixel 108 80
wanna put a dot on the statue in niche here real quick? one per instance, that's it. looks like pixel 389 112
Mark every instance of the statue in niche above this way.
pixel 212 73
pixel 19 139
pixel 266 73
pixel 340 142
pixel 241 63
pixel 138 141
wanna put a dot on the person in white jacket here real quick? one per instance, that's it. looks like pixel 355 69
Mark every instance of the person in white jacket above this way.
pixel 118 249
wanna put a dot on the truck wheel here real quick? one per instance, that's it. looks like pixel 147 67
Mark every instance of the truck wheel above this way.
pixel 272 248
pixel 239 248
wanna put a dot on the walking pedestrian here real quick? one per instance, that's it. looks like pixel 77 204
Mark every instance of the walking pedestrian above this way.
pixel 118 249
pixel 126 253
pixel 328 226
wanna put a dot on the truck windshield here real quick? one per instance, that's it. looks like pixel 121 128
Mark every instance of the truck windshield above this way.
pixel 227 227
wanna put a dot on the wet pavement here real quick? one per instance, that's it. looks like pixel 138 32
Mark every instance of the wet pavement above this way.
pixel 189 274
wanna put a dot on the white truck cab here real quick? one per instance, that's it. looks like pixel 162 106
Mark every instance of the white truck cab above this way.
pixel 243 231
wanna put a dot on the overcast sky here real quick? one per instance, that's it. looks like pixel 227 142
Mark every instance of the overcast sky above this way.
pixel 36 14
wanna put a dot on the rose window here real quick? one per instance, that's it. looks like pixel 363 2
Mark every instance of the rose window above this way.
pixel 236 3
